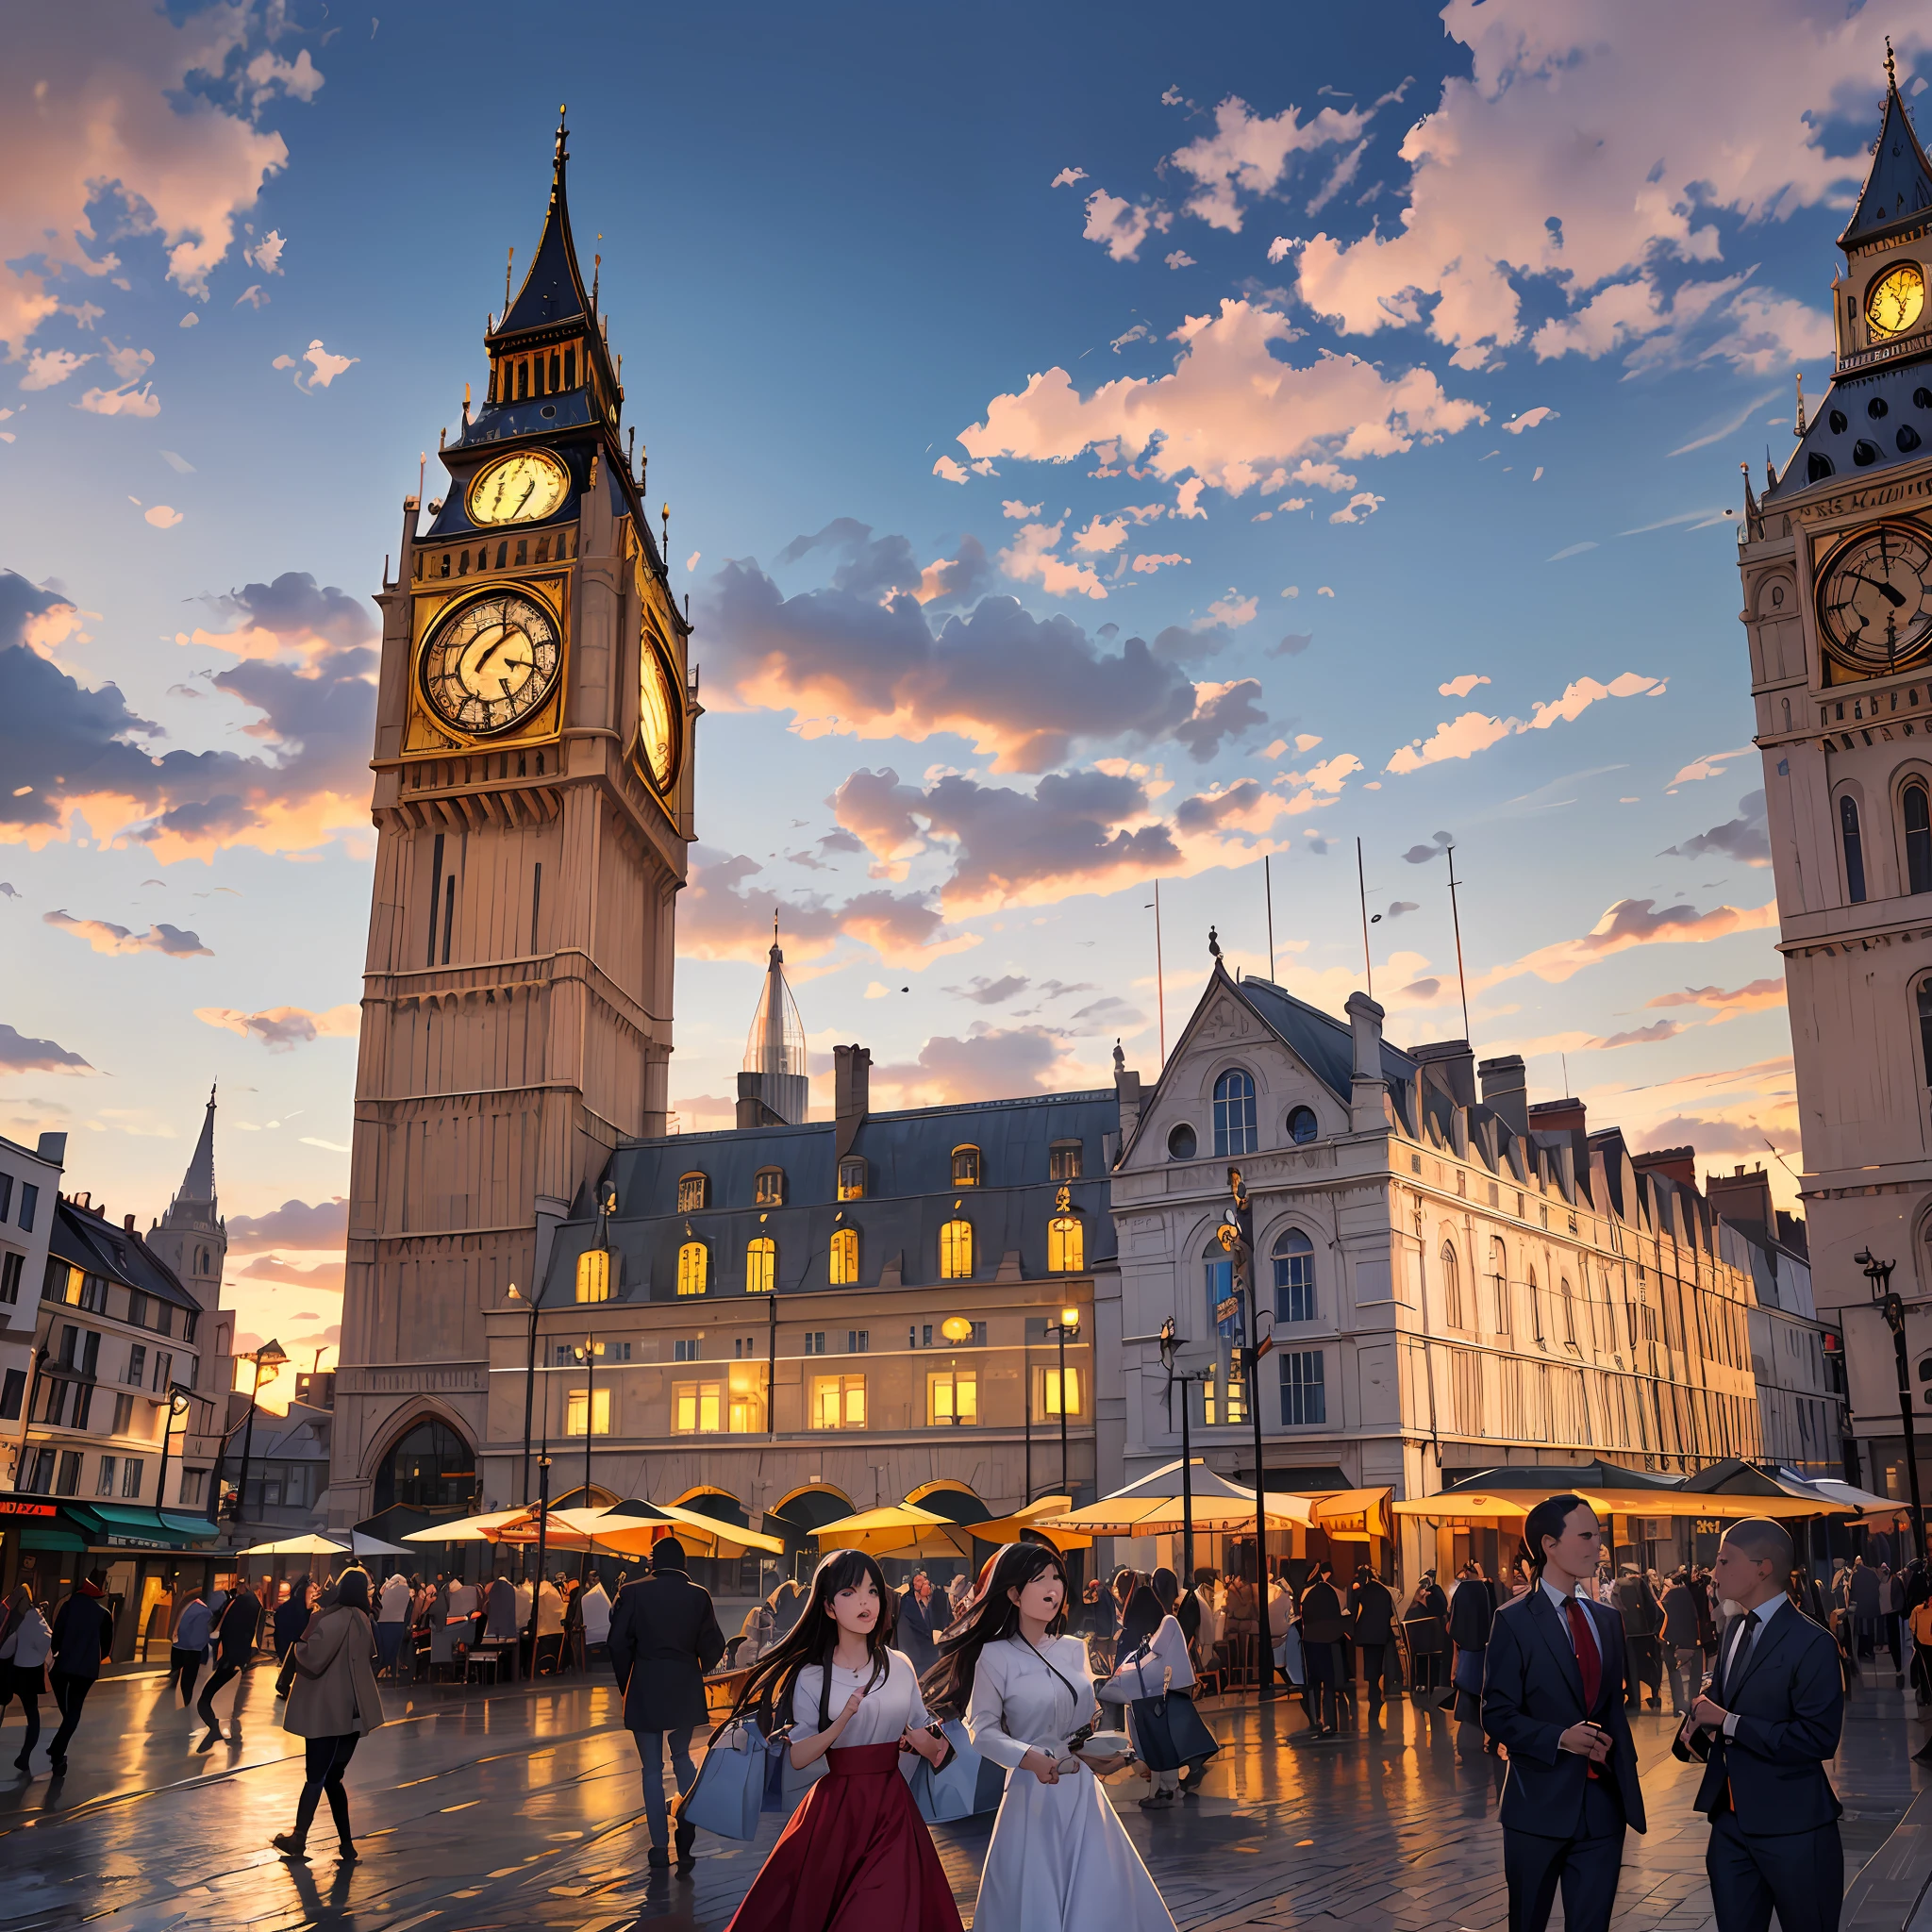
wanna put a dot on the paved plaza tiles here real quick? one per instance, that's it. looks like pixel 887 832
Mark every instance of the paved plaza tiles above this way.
pixel 520 1808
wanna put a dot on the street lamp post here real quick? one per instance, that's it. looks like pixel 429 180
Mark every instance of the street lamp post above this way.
pixel 272 1357
pixel 1238 1238
pixel 1065 1330
pixel 178 1406
pixel 1893 1308
pixel 588 1353
pixel 1170 1348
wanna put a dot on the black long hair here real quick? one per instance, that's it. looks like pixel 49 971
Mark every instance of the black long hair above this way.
pixel 1140 1620
pixel 812 1638
pixel 990 1615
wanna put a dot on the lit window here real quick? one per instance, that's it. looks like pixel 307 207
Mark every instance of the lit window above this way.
pixel 955 1251
pixel 1063 1161
pixel 838 1402
pixel 593 1275
pixel 761 1265
pixel 694 1268
pixel 1050 1382
pixel 1294 1277
pixel 693 1192
pixel 581 1405
pixel 1234 1113
pixel 844 1260
pixel 1303 1395
pixel 1223 1404
pixel 696 1407
pixel 965 1167
pixel 951 1398
pixel 852 1179
pixel 769 1190
pixel 1066 1244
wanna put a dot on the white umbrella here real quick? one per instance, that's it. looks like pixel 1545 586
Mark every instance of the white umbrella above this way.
pixel 318 1545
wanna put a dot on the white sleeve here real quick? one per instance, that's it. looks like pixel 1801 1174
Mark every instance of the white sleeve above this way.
pixel 986 1713
pixel 805 1702
pixel 917 1716
pixel 1170 1647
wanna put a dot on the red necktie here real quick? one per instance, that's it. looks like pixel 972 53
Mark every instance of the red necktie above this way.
pixel 1587 1660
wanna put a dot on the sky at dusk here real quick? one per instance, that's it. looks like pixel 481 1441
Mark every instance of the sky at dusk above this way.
pixel 1097 453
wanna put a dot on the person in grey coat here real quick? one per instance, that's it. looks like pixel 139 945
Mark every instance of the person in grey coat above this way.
pixel 664 1637
pixel 333 1704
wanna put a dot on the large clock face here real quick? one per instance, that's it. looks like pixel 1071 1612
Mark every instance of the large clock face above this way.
pixel 519 489
pixel 1896 300
pixel 491 665
pixel 1874 599
pixel 657 715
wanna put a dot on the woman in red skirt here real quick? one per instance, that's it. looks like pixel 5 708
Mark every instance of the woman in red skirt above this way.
pixel 857 1856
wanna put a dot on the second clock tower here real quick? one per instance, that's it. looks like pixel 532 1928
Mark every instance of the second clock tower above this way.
pixel 533 811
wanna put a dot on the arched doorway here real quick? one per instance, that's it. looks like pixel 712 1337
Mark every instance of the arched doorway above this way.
pixel 431 1469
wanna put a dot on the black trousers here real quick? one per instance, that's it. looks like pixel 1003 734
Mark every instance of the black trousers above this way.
pixel 184 1666
pixel 325 1759
pixel 223 1673
pixel 1377 1663
pixel 70 1693
pixel 1586 1867
pixel 30 1707
pixel 1801 1874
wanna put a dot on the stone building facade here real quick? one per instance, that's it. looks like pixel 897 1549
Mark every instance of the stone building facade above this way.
pixel 1836 563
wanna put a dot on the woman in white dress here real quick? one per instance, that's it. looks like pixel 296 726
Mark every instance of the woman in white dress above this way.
pixel 1061 1859
pixel 1154 1662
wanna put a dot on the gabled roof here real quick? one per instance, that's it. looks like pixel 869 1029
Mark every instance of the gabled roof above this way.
pixel 1898 188
pixel 1322 1043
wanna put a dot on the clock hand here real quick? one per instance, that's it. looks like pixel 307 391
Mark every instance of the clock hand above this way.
pixel 525 497
pixel 1893 597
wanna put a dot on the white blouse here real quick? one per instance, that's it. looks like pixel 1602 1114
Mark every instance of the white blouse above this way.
pixel 1166 1667
pixel 1017 1700
pixel 888 1709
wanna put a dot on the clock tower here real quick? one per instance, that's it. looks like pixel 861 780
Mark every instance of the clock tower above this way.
pixel 533 810
pixel 1837 567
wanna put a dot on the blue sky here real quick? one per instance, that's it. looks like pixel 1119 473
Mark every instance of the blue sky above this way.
pixel 1096 453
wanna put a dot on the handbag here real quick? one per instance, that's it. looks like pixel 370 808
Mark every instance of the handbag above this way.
pixel 1288 1654
pixel 1168 1731
pixel 729 1790
pixel 956 1789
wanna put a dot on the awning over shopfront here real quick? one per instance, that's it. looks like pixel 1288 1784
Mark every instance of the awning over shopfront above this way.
pixel 115 1526
pixel 1353 1515
pixel 1502 1497
pixel 1154 1506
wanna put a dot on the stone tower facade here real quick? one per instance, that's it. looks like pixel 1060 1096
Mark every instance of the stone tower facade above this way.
pixel 533 808
pixel 192 1237
pixel 1837 567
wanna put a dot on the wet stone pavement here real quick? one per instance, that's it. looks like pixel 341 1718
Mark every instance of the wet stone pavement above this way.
pixel 522 1808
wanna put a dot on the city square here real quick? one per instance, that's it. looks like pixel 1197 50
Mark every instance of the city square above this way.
pixel 1078 1263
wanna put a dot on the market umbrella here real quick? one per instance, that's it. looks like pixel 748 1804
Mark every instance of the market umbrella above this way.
pixel 630 1528
pixel 1007 1529
pixel 469 1530
pixel 1153 1506
pixel 316 1545
pixel 900 1529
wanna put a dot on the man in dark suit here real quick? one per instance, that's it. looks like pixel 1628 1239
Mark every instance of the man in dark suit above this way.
pixel 664 1637
pixel 1472 1611
pixel 235 1635
pixel 1765 1729
pixel 1372 1614
pixel 913 1634
pixel 1553 1696
pixel 83 1641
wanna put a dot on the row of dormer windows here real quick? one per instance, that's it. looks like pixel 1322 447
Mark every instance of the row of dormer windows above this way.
pixel 966 1170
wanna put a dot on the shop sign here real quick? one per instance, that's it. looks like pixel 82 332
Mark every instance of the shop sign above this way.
pixel 133 1542
pixel 10 1506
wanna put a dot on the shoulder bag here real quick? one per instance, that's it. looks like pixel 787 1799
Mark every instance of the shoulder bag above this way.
pixel 730 1787
pixel 1168 1731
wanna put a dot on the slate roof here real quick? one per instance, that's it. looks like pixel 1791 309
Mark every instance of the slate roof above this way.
pixel 98 1246
pixel 1898 190
pixel 910 1194
pixel 1846 439
pixel 1325 1044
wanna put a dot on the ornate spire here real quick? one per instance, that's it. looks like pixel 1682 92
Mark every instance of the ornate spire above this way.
pixel 1898 187
pixel 775 1049
pixel 194 1200
pixel 553 290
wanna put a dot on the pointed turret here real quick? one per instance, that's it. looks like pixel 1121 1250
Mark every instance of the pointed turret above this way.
pixel 192 1237
pixel 196 1198
pixel 1898 188
pixel 553 290
pixel 774 1085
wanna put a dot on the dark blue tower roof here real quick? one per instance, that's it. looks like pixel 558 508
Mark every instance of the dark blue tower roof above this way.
pixel 1899 187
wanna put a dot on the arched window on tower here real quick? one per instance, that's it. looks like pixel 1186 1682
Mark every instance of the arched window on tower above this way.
pixel 1854 849
pixel 1234 1113
pixel 1294 1277
pixel 761 1265
pixel 1918 816
pixel 966 1167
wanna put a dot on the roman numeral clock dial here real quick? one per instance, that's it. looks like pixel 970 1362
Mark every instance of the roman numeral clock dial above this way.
pixel 489 664
pixel 1875 599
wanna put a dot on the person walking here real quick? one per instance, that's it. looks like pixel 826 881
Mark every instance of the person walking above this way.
pixel 391 1621
pixel 1765 1729
pixel 1892 1606
pixel 83 1641
pixel 1862 1595
pixel 24 1641
pixel 334 1703
pixel 1322 1631
pixel 1642 1616
pixel 1427 1621
pixel 914 1631
pixel 235 1635
pixel 1151 1641
pixel 1372 1622
pixel 292 1617
pixel 1682 1650
pixel 1472 1611
pixel 664 1637
pixel 1553 1697
pixel 188 1647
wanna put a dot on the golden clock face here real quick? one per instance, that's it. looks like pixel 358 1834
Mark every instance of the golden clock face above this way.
pixel 657 715
pixel 1874 599
pixel 491 665
pixel 519 489
pixel 1896 300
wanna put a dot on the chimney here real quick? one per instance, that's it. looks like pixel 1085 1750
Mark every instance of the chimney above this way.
pixel 80 1200
pixel 851 1092
pixel 1556 1117
pixel 127 1221
pixel 1453 1062
pixel 1126 1087
pixel 1677 1164
pixel 1505 1091
pixel 1744 1197
pixel 53 1147
pixel 1367 1107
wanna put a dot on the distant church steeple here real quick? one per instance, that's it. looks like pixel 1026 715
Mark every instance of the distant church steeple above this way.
pixel 192 1237
pixel 774 1085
